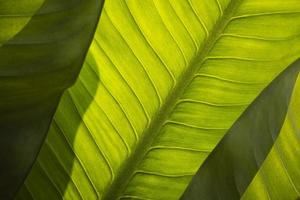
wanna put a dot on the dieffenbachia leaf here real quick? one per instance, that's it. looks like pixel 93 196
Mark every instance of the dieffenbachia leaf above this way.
pixel 232 165
pixel 43 44
pixel 162 84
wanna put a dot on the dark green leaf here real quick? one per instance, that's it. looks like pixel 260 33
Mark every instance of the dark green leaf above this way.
pixel 229 169
pixel 42 47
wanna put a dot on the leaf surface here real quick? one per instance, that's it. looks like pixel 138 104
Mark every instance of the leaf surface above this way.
pixel 162 83
pixel 232 165
pixel 278 177
pixel 43 44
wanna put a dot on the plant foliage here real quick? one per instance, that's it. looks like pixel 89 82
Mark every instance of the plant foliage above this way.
pixel 162 83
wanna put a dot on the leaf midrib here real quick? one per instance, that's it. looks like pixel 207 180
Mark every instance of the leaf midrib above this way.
pixel 126 172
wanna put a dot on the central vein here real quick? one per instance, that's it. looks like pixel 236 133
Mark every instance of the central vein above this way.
pixel 129 167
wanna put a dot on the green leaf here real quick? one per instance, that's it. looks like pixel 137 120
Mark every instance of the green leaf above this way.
pixel 162 83
pixel 42 47
pixel 278 177
pixel 232 165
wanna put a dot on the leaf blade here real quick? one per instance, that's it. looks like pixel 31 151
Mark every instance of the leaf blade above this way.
pixel 39 60
pixel 129 53
pixel 236 159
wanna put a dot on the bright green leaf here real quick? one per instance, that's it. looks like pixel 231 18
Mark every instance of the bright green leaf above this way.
pixel 162 83
pixel 232 165
pixel 279 175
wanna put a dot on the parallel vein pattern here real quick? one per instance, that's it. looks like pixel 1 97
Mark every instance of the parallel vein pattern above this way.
pixel 162 83
pixel 43 44
pixel 232 165
pixel 284 158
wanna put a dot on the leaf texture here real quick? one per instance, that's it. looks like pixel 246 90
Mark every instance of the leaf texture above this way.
pixel 162 83
pixel 38 60
pixel 232 165
pixel 278 177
